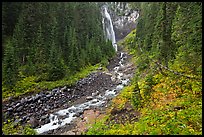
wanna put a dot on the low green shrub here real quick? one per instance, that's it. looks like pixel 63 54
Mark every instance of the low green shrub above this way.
pixel 12 128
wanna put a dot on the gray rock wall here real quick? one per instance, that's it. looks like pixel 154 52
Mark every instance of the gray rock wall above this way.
pixel 124 19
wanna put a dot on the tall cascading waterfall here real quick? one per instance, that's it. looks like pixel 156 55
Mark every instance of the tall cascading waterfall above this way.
pixel 108 27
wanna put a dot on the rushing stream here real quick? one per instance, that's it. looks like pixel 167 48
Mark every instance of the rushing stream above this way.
pixel 65 116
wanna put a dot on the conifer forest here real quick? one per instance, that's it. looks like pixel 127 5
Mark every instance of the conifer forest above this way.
pixel 101 68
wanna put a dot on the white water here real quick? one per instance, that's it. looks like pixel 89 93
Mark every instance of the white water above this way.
pixel 108 27
pixel 97 101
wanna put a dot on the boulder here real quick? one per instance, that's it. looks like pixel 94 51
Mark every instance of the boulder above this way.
pixel 47 120
pixel 54 124
pixel 24 118
pixel 47 106
pixel 19 108
pixel 69 133
pixel 10 109
pixel 50 132
pixel 59 122
pixel 18 104
pixel 34 122
pixel 89 98
pixel 39 101
pixel 30 100
pixel 38 97
pixel 43 95
pixel 96 93
pixel 48 96
pixel 12 104
pixel 22 101
pixel 45 116
pixel 55 90
pixel 64 88
pixel 36 109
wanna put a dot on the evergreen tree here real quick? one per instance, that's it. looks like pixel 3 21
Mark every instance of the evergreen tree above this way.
pixel 10 67
pixel 49 37
pixel 56 65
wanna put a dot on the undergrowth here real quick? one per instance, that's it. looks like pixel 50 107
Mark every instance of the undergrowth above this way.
pixel 30 84
pixel 12 128
pixel 169 104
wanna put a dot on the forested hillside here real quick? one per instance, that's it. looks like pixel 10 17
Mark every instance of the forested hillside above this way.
pixel 166 92
pixel 48 42
pixel 64 72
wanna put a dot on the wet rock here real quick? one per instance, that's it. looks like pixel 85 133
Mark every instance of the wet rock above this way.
pixel 77 115
pixel 12 104
pixel 18 104
pixel 81 116
pixel 53 118
pixel 64 88
pixel 36 109
pixel 39 126
pixel 55 105
pixel 55 90
pixel 23 101
pixel 69 133
pixel 96 93
pixel 24 118
pixel 50 131
pixel 43 95
pixel 59 122
pixel 39 101
pixel 10 109
pixel 55 131
pixel 30 100
pixel 54 124
pixel 47 120
pixel 43 98
pixel 34 122
pixel 95 101
pixel 89 98
pixel 45 109
pixel 20 108
pixel 48 96
pixel 38 97
pixel 86 108
pixel 33 98
pixel 47 106
pixel 119 87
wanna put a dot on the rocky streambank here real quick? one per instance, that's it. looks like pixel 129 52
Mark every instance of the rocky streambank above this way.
pixel 56 111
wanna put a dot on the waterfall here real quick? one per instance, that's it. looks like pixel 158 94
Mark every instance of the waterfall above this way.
pixel 108 27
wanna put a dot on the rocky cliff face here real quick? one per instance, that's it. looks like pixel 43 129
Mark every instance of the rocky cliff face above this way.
pixel 124 19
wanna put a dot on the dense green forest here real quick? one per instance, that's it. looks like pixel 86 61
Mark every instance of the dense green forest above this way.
pixel 47 45
pixel 45 42
pixel 167 87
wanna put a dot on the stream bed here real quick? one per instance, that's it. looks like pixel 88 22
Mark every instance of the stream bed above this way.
pixel 48 111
